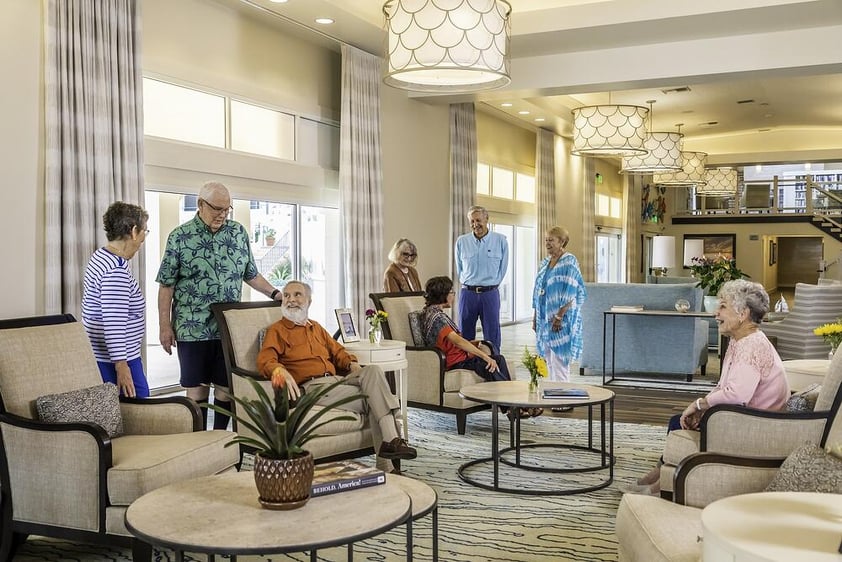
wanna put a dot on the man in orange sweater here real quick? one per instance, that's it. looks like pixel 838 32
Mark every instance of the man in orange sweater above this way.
pixel 298 353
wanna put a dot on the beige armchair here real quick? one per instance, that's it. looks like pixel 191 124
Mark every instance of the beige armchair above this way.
pixel 736 430
pixel 72 480
pixel 814 305
pixel 430 386
pixel 240 325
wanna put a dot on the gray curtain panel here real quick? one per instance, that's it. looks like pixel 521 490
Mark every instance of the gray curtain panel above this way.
pixel 545 184
pixel 632 195
pixel 586 260
pixel 361 178
pixel 94 130
pixel 463 176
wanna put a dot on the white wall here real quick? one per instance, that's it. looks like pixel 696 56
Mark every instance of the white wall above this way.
pixel 21 149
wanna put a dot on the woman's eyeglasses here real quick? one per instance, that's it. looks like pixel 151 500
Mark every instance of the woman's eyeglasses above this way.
pixel 408 254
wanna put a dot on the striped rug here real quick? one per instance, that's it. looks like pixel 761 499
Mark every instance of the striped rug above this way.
pixel 474 524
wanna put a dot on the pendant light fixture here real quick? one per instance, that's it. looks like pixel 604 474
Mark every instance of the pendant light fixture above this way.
pixel 719 181
pixel 447 46
pixel 692 171
pixel 609 130
pixel 663 152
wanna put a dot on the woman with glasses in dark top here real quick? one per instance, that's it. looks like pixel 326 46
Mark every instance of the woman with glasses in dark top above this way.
pixel 401 276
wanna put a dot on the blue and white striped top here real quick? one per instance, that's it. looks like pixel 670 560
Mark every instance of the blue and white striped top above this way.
pixel 113 308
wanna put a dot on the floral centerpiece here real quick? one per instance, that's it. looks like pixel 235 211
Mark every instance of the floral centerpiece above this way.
pixel 375 318
pixel 713 273
pixel 536 366
pixel 831 333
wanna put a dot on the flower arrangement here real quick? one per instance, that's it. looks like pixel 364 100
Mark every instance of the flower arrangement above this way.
pixel 375 318
pixel 713 273
pixel 831 333
pixel 536 366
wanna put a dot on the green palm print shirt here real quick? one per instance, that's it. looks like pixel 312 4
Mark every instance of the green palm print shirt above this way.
pixel 204 268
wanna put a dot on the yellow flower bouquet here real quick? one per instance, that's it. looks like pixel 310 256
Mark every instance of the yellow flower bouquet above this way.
pixel 536 366
pixel 831 333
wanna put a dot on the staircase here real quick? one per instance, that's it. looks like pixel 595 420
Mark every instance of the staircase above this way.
pixel 828 225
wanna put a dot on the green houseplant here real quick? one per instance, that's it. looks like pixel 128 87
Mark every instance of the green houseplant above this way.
pixel 713 273
pixel 283 468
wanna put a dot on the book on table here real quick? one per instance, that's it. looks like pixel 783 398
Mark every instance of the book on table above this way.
pixel 627 308
pixel 565 393
pixel 341 476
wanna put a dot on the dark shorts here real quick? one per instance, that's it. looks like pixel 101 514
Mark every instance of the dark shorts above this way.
pixel 202 363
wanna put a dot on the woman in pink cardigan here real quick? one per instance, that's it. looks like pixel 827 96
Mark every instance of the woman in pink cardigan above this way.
pixel 752 372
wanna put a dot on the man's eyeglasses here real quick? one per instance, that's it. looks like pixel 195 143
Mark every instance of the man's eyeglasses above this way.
pixel 218 210
pixel 408 254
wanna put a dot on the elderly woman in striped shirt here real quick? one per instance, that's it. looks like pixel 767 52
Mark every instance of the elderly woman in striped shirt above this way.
pixel 113 307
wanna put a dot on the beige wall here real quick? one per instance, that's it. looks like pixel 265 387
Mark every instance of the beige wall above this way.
pixel 21 148
pixel 505 144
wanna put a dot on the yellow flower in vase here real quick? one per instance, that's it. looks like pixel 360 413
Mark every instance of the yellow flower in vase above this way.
pixel 831 333
pixel 536 366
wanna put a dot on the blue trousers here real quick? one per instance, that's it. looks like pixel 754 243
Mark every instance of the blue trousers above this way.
pixel 109 374
pixel 486 308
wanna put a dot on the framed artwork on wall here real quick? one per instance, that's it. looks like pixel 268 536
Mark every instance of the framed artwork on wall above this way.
pixel 773 252
pixel 347 329
pixel 715 246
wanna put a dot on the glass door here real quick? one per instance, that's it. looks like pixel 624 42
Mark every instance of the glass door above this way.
pixel 609 264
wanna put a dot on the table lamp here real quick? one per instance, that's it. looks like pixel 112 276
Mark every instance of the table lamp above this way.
pixel 694 248
pixel 663 254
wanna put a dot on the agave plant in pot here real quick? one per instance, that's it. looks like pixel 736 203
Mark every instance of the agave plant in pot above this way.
pixel 283 468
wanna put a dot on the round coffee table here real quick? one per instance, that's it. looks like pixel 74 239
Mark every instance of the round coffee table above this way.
pixel 516 395
pixel 221 515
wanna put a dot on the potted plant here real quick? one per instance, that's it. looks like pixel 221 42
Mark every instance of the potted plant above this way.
pixel 269 237
pixel 283 469
pixel 712 274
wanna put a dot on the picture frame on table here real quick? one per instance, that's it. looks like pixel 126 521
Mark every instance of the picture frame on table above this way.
pixel 347 327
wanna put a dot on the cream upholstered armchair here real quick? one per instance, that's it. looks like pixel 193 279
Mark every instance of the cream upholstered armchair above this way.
pixel 737 430
pixel 73 479
pixel 814 305
pixel 430 386
pixel 240 325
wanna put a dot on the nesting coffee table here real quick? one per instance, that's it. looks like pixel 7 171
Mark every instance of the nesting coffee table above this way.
pixel 221 515
pixel 516 395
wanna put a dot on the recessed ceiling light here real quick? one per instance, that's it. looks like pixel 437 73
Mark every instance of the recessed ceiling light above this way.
pixel 523 113
pixel 279 1
pixel 505 104
pixel 539 119
pixel 324 21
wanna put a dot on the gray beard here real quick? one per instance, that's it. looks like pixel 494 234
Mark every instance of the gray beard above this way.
pixel 296 315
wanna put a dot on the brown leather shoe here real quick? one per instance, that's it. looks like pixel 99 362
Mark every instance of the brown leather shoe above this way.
pixel 397 448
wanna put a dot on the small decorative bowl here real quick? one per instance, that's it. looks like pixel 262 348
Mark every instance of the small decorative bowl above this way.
pixel 682 305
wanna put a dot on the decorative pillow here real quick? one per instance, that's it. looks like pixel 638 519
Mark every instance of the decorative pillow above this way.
pixel 415 328
pixel 99 404
pixel 261 336
pixel 808 469
pixel 805 400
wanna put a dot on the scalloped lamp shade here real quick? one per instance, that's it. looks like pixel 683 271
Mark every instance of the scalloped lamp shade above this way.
pixel 609 130
pixel 447 45
pixel 692 171
pixel 720 181
pixel 664 155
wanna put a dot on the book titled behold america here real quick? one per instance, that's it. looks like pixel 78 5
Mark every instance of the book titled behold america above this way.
pixel 341 476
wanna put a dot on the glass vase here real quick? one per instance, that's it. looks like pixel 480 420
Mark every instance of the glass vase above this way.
pixel 831 352
pixel 375 335
pixel 533 384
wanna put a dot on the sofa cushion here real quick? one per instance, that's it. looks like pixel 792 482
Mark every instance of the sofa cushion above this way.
pixel 809 469
pixel 680 444
pixel 142 463
pixel 455 379
pixel 650 529
pixel 98 404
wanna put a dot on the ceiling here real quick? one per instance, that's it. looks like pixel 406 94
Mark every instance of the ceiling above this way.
pixel 764 76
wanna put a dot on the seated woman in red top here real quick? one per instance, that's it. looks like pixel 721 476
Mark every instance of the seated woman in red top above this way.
pixel 441 332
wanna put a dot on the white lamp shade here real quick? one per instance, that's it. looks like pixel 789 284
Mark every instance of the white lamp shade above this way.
pixel 692 171
pixel 720 181
pixel 664 155
pixel 609 130
pixel 447 46
pixel 693 248
pixel 663 251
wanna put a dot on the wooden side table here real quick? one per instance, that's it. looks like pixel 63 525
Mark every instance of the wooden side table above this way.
pixel 389 355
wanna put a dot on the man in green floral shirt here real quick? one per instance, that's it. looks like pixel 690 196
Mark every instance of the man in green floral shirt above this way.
pixel 206 261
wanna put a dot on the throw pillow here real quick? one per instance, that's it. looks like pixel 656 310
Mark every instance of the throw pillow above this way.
pixel 98 404
pixel 415 328
pixel 808 469
pixel 261 336
pixel 805 400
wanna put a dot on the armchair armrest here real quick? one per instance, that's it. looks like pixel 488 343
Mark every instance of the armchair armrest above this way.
pixel 703 478
pixel 160 416
pixel 736 430
pixel 426 375
pixel 55 473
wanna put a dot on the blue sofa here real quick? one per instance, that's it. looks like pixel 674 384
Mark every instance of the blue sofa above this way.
pixel 645 344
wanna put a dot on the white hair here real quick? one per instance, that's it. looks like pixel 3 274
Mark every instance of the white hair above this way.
pixel 212 188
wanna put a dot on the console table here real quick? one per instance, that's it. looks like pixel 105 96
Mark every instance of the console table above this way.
pixel 653 313
pixel 389 355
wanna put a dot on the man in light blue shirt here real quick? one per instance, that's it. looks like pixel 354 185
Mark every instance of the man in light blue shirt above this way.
pixel 481 261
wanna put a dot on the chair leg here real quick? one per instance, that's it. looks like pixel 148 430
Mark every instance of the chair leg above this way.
pixel 461 422
pixel 11 542
pixel 141 551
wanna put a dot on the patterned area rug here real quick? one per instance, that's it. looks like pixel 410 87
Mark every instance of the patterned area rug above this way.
pixel 474 524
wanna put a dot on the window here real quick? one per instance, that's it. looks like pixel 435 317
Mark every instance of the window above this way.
pixel 616 207
pixel 502 183
pixel 262 131
pixel 525 188
pixel 483 179
pixel 603 205
pixel 184 114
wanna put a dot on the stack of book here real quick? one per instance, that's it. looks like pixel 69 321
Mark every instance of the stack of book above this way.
pixel 565 393
pixel 627 308
pixel 341 476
